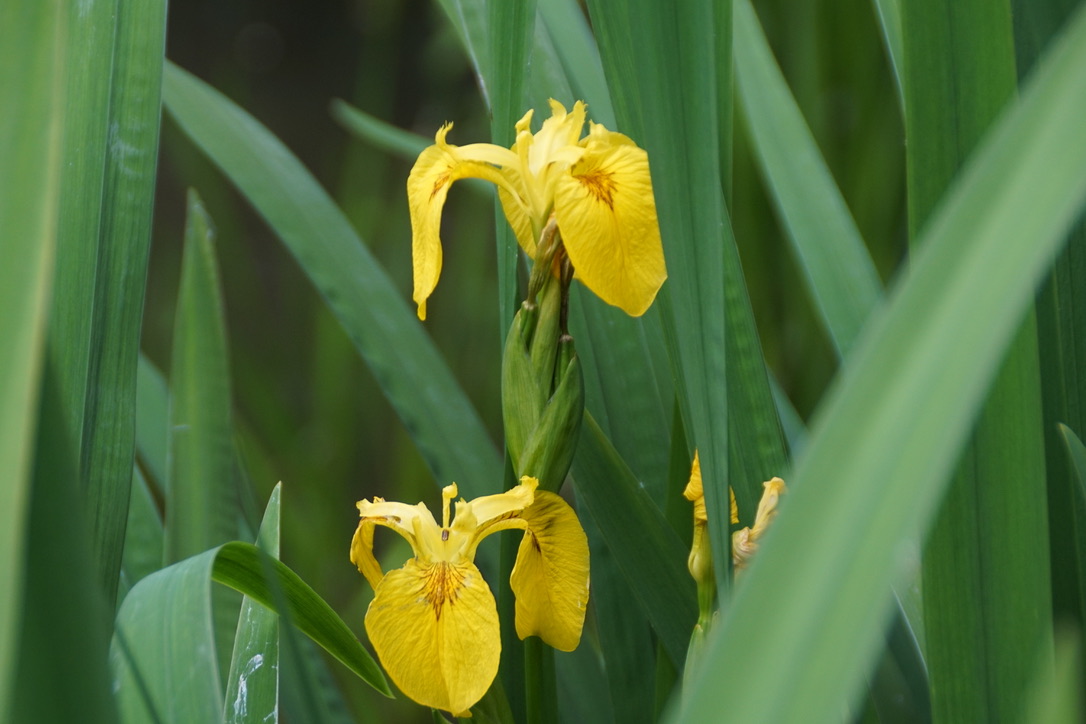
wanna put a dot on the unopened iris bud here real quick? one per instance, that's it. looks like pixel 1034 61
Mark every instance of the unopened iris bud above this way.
pixel 542 391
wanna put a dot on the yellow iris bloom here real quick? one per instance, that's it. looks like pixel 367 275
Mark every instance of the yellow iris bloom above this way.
pixel 434 623
pixel 744 541
pixel 597 188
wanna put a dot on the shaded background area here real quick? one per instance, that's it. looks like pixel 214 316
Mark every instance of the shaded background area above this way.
pixel 308 411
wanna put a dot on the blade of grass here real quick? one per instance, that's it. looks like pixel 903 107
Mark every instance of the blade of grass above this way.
pixel 124 242
pixel 165 623
pixel 579 55
pixel 899 414
pixel 405 362
pixel 1076 451
pixel 143 536
pixel 981 566
pixel 32 43
pixel 841 278
pixel 252 690
pixel 385 136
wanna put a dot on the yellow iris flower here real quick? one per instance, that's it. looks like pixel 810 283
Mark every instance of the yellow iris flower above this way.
pixel 744 541
pixel 434 623
pixel 597 188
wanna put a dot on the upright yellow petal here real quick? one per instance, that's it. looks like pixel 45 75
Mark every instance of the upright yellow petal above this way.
pixel 607 213
pixel 427 186
pixel 435 629
pixel 550 577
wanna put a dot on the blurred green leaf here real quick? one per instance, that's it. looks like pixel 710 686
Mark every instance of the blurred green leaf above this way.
pixel 899 415
pixel 1061 307
pixel 165 645
pixel 63 672
pixel 841 278
pixel 644 546
pixel 32 44
pixel 959 72
pixel 416 380
pixel 385 136
pixel 201 503
pixel 1056 687
pixel 580 57
pixel 143 536
pixel 152 421
pixel 123 247
pixel 252 686
pixel 1076 451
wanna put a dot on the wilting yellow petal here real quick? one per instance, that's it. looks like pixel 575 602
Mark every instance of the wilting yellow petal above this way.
pixel 550 577
pixel 694 492
pixel 427 186
pixel 435 629
pixel 607 214
pixel 745 541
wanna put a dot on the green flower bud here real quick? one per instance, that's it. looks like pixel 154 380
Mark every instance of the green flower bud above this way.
pixel 542 392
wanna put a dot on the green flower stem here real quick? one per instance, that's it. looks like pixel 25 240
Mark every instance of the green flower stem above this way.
pixel 540 690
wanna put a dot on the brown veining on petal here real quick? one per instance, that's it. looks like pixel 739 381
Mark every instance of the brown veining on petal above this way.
pixel 442 586
pixel 600 185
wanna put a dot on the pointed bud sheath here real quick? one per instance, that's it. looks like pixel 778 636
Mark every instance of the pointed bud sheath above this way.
pixel 542 393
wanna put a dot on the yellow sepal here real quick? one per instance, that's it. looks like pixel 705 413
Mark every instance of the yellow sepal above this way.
pixel 607 214
pixel 550 577
pixel 435 629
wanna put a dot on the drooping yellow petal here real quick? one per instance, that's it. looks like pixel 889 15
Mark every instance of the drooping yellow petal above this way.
pixel 607 213
pixel 435 629
pixel 550 577
pixel 428 184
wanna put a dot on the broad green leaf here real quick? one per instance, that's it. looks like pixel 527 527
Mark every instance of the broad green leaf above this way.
pixel 91 43
pixel 62 673
pixel 469 19
pixel 164 659
pixel 201 504
pixel 252 686
pixel 124 239
pixel 959 71
pixel 841 278
pixel 1061 306
pixel 899 414
pixel 668 103
pixel 644 547
pixel 32 43
pixel 410 370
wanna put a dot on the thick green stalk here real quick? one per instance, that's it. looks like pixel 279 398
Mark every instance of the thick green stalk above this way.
pixel 986 582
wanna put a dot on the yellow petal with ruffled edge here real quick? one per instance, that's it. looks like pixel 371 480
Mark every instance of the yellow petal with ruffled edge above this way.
pixel 435 629
pixel 550 577
pixel 428 184
pixel 607 214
